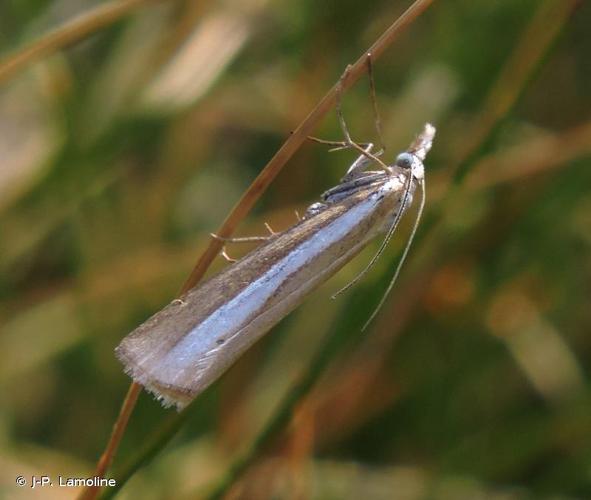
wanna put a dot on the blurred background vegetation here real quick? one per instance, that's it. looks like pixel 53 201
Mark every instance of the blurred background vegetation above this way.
pixel 122 151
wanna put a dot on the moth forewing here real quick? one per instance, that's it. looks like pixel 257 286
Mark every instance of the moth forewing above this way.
pixel 186 346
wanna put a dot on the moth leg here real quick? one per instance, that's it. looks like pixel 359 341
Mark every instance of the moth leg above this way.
pixel 362 161
pixel 359 165
pixel 374 102
pixel 298 216
pixel 225 255
pixel 270 229
pixel 337 145
pixel 247 239
pixel 341 118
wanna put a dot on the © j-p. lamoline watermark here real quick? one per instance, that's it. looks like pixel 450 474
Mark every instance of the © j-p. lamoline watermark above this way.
pixel 62 481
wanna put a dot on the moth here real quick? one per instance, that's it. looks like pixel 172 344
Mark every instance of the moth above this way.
pixel 185 347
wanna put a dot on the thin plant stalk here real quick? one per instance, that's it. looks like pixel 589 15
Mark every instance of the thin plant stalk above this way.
pixel 68 33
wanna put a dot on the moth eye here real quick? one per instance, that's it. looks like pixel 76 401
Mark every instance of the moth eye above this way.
pixel 404 160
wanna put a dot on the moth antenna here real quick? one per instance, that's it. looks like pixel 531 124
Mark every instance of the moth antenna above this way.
pixel 385 242
pixel 402 258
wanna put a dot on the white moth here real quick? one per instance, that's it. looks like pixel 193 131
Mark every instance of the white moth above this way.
pixel 186 346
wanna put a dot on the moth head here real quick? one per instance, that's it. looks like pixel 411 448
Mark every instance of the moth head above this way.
pixel 411 162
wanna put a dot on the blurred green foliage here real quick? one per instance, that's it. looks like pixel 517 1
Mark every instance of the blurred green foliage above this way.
pixel 121 153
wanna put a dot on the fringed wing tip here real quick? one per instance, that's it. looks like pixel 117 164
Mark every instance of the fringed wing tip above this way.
pixel 167 396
